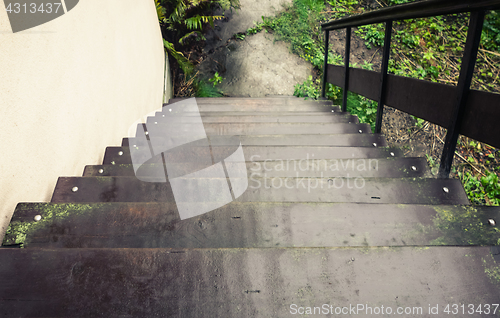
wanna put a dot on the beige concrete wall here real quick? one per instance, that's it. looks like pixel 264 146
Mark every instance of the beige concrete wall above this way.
pixel 71 87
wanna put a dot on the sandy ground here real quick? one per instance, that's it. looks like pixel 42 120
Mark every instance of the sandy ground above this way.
pixel 256 66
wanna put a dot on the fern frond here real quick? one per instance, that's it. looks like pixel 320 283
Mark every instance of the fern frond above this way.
pixel 160 11
pixel 179 12
pixel 198 33
pixel 184 63
pixel 194 23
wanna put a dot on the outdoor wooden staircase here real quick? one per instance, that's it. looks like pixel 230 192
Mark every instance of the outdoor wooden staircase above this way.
pixel 332 218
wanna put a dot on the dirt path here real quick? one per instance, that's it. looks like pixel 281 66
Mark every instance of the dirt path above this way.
pixel 256 66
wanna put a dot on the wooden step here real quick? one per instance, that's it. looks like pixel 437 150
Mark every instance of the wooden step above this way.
pixel 216 129
pixel 253 282
pixel 368 168
pixel 250 224
pixel 252 101
pixel 333 140
pixel 121 155
pixel 281 113
pixel 291 189
pixel 318 107
pixel 159 129
pixel 213 118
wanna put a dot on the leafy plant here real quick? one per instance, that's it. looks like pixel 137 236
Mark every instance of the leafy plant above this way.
pixel 419 122
pixel 484 190
pixel 491 187
pixel 216 79
pixel 206 89
pixel 240 36
pixel 373 34
pixel 183 20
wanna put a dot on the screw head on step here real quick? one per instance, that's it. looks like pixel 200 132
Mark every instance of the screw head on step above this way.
pixel 413 168
pixel 101 171
pixel 37 218
pixel 360 131
pixel 374 144
pixel 74 189
pixel 492 222
pixel 170 110
pixel 120 153
pixel 445 189
pixel 392 154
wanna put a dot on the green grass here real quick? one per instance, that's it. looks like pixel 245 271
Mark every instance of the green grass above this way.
pixel 206 89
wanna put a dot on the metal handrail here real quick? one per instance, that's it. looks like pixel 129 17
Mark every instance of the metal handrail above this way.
pixel 419 9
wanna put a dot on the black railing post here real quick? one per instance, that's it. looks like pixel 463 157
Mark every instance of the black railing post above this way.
pixel 463 88
pixel 346 70
pixel 325 65
pixel 383 76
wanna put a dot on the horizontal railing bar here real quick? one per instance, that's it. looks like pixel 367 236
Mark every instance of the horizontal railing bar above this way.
pixel 431 101
pixel 413 10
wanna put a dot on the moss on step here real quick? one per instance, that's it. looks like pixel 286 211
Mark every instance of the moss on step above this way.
pixel 464 227
pixel 20 229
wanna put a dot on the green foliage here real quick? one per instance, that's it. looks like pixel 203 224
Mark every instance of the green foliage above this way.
pixel 490 37
pixel 484 190
pixel 179 15
pixel 183 20
pixel 240 36
pixel 217 79
pixel 308 89
pixel 491 188
pixel 432 48
pixel 312 89
pixel 364 108
pixel 186 66
pixel 395 2
pixel 373 34
pixel 299 25
pixel 206 89
pixel 419 122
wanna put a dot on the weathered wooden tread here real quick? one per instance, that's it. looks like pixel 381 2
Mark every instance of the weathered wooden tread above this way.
pixel 334 118
pixel 121 155
pixel 253 101
pixel 159 129
pixel 319 107
pixel 353 167
pixel 333 140
pixel 261 189
pixel 254 282
pixel 282 112
pixel 249 224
